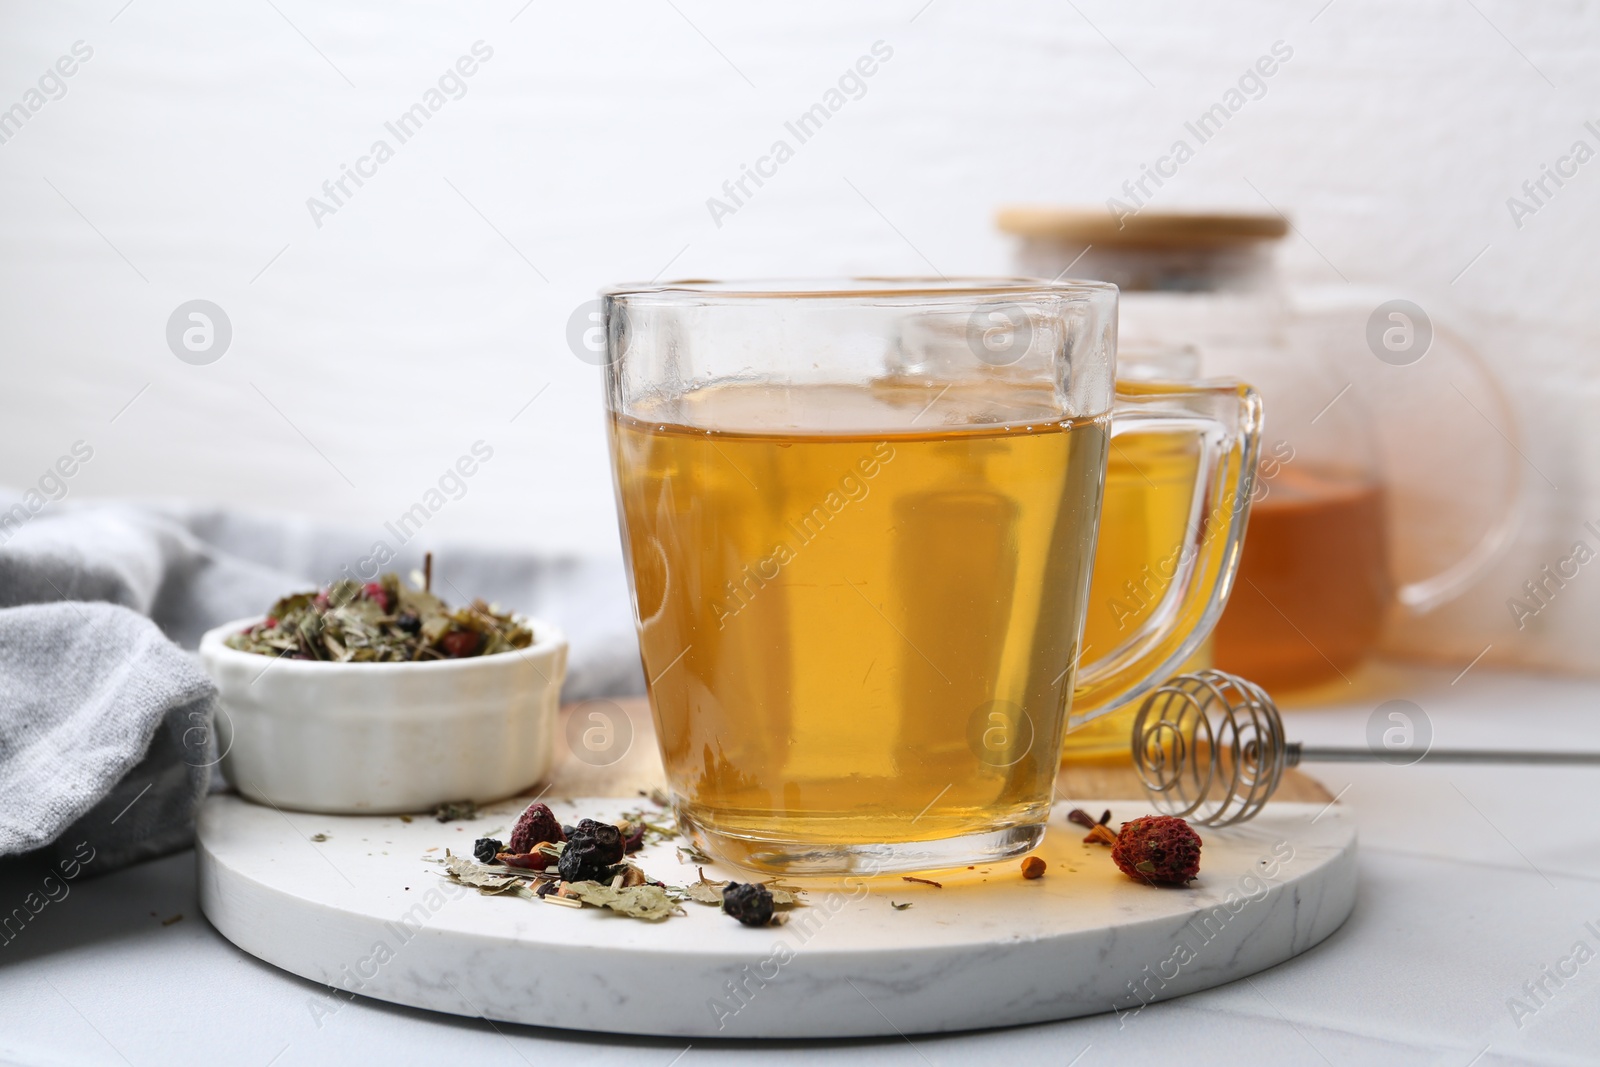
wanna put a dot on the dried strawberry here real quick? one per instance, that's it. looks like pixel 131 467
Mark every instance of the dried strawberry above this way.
pixel 1158 850
pixel 535 825
pixel 376 591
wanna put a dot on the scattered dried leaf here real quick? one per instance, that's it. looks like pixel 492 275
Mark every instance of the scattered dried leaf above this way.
pixel 648 902
pixel 451 810
pixel 484 880
pixel 692 855
pixel 709 891
pixel 647 827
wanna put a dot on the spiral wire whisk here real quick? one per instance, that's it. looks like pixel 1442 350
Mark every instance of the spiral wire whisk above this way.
pixel 1209 747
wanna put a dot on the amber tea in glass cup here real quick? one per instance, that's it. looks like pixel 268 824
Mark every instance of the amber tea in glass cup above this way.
pixel 859 519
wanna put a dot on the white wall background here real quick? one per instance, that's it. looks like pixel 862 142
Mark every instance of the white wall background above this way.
pixel 433 306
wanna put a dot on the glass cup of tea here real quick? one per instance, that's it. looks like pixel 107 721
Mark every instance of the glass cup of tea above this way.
pixel 860 521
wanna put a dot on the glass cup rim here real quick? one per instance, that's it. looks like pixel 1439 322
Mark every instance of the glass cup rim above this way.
pixel 895 289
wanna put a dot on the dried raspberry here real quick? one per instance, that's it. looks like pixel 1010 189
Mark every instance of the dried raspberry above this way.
pixel 459 644
pixel 1158 850
pixel 375 591
pixel 537 824
pixel 749 903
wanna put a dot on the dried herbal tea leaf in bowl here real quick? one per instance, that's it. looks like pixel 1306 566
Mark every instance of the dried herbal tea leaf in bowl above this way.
pixel 385 621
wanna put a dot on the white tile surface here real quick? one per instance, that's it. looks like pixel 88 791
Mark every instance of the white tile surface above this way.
pixel 1420 974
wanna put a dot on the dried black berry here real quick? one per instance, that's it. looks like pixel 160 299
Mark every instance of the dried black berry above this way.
pixel 584 860
pixel 593 848
pixel 608 839
pixel 568 831
pixel 749 903
pixel 408 622
pixel 484 849
pixel 545 890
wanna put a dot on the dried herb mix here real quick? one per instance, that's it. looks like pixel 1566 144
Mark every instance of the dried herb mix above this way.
pixel 586 864
pixel 385 621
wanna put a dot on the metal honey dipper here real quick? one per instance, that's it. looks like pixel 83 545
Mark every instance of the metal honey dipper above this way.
pixel 1210 747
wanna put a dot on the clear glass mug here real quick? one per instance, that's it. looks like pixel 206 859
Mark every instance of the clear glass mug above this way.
pixel 1154 515
pixel 859 519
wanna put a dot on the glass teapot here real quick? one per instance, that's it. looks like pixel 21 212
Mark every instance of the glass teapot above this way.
pixel 1380 493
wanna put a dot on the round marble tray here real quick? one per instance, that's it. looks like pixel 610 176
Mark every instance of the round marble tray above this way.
pixel 353 903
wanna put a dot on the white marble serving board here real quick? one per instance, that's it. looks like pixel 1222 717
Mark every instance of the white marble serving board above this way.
pixel 362 910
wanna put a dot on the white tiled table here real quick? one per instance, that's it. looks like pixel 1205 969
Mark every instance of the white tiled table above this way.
pixel 1473 880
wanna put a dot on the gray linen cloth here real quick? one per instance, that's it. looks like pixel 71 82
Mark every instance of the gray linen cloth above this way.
pixel 105 722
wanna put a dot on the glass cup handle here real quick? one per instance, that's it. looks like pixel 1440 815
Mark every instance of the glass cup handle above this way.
pixel 1425 594
pixel 1226 419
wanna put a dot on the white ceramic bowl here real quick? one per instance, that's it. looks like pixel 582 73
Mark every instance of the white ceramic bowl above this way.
pixel 352 738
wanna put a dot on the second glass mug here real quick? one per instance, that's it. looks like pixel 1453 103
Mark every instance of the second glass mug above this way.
pixel 859 519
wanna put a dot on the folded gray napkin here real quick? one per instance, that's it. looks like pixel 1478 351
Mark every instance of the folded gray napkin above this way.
pixel 105 722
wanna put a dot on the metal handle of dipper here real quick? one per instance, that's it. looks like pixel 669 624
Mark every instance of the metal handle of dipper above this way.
pixel 1209 747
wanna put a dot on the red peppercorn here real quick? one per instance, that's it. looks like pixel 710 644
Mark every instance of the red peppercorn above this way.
pixel 1158 850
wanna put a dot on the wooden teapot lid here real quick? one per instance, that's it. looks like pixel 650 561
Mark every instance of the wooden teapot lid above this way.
pixel 1147 229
